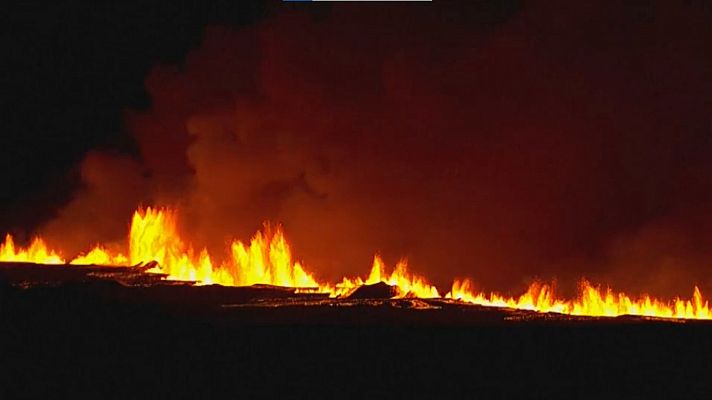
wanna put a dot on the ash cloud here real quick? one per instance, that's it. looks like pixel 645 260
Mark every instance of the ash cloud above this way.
pixel 550 140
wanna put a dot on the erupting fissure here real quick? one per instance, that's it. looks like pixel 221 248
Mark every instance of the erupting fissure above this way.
pixel 267 259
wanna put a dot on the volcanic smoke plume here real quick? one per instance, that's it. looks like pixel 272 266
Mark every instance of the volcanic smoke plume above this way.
pixel 502 151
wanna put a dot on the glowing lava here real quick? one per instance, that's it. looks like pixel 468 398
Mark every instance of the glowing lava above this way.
pixel 407 284
pixel 591 301
pixel 36 252
pixel 267 259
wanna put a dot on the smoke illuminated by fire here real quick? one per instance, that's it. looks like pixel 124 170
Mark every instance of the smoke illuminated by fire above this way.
pixel 267 259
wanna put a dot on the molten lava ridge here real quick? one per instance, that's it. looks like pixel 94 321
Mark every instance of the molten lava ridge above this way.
pixel 267 259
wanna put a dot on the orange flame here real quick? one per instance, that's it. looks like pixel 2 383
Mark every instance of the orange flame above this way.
pixel 407 284
pixel 37 252
pixel 267 259
pixel 591 301
pixel 100 256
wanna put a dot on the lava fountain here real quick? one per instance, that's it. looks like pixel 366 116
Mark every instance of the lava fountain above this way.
pixel 267 259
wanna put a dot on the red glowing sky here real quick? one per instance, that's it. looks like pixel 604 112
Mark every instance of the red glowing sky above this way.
pixel 498 142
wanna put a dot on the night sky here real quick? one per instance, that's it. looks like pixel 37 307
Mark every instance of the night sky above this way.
pixel 501 141
pixel 69 72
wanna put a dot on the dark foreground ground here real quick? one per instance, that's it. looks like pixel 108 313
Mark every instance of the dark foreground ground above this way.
pixel 103 339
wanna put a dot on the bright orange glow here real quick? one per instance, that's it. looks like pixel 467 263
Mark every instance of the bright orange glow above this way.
pixel 36 252
pixel 267 259
pixel 591 301
pixel 153 236
pixel 407 283
pixel 99 256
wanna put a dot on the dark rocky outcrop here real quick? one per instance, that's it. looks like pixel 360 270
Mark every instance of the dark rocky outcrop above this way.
pixel 378 290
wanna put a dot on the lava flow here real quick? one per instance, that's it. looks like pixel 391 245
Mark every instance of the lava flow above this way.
pixel 267 259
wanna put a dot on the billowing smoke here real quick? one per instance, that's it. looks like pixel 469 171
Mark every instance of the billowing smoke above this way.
pixel 556 140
